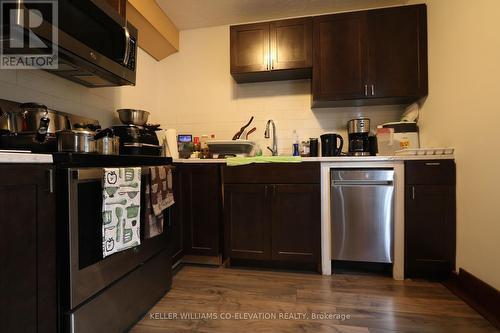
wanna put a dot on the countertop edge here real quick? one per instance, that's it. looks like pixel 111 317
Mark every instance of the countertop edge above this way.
pixel 11 158
pixel 335 159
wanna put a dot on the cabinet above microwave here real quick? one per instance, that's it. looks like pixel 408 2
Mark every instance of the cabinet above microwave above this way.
pixel 93 44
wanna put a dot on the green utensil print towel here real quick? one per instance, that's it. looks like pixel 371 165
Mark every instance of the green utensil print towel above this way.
pixel 121 208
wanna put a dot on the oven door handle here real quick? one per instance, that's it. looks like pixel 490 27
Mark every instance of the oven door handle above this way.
pixel 96 173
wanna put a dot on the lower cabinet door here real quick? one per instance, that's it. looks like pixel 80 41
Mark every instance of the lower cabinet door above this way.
pixel 28 299
pixel 247 215
pixel 176 232
pixel 429 231
pixel 296 222
pixel 201 209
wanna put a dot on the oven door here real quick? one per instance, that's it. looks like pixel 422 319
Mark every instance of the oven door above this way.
pixel 89 272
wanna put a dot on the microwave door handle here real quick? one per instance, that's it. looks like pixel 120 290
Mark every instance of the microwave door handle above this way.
pixel 126 56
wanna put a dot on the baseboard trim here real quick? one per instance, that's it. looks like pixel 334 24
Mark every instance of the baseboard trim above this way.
pixel 482 297
pixel 203 260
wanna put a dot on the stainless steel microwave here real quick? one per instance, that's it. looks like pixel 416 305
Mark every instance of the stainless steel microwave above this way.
pixel 96 47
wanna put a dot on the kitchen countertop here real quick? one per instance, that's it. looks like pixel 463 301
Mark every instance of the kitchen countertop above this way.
pixel 25 158
pixel 337 159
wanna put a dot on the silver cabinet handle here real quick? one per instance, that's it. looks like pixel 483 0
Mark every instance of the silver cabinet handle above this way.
pixel 413 192
pixel 366 90
pixel 373 90
pixel 433 163
pixel 51 180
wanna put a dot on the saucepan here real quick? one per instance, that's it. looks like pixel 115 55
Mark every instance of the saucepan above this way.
pixel 107 143
pixel 78 140
pixel 84 139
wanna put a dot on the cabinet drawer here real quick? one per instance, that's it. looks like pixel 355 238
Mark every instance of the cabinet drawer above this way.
pixel 431 172
pixel 278 173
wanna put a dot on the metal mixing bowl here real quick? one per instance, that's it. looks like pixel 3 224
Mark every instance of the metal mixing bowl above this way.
pixel 133 117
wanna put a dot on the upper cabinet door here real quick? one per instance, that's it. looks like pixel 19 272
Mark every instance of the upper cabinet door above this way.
pixel 272 51
pixel 398 51
pixel 291 44
pixel 250 48
pixel 339 70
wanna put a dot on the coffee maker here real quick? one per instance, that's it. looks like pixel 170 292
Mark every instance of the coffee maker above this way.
pixel 359 131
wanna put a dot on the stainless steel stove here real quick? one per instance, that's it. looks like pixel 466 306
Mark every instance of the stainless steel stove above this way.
pixel 103 294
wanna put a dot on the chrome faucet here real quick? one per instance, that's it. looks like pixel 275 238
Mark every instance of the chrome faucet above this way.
pixel 274 149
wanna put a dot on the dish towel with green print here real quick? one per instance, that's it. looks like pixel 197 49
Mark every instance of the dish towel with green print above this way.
pixel 236 161
pixel 121 209
pixel 159 196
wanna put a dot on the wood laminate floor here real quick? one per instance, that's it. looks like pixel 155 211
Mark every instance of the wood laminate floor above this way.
pixel 375 304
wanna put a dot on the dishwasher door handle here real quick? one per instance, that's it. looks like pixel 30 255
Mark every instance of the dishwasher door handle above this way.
pixel 362 183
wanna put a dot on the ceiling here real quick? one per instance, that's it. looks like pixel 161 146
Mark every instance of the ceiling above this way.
pixel 191 14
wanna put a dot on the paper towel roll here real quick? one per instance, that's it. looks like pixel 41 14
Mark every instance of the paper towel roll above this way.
pixel 171 136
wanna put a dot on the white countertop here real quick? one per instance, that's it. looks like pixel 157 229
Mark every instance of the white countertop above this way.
pixel 25 158
pixel 336 159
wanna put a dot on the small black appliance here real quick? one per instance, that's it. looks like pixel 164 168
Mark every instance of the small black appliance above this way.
pixel 331 144
pixel 138 140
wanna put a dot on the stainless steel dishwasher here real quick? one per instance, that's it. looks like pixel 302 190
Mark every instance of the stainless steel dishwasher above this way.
pixel 362 214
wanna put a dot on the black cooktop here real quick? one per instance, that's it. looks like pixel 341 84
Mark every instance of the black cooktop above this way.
pixel 97 160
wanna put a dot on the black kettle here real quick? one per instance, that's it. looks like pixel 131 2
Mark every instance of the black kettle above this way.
pixel 331 144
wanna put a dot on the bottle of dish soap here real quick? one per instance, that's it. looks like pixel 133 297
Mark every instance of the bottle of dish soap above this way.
pixel 295 143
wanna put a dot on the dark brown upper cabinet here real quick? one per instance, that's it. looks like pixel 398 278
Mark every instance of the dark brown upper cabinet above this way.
pixel 270 51
pixel 370 57
pixel 340 54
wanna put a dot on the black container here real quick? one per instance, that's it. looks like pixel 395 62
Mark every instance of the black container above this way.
pixel 331 144
pixel 313 147
pixel 373 144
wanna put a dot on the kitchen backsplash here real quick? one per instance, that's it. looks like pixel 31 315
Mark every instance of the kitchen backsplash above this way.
pixel 289 112
pixel 96 103
pixel 199 96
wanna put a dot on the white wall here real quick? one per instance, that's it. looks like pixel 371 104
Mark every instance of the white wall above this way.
pixel 462 110
pixel 199 96
pixel 96 103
